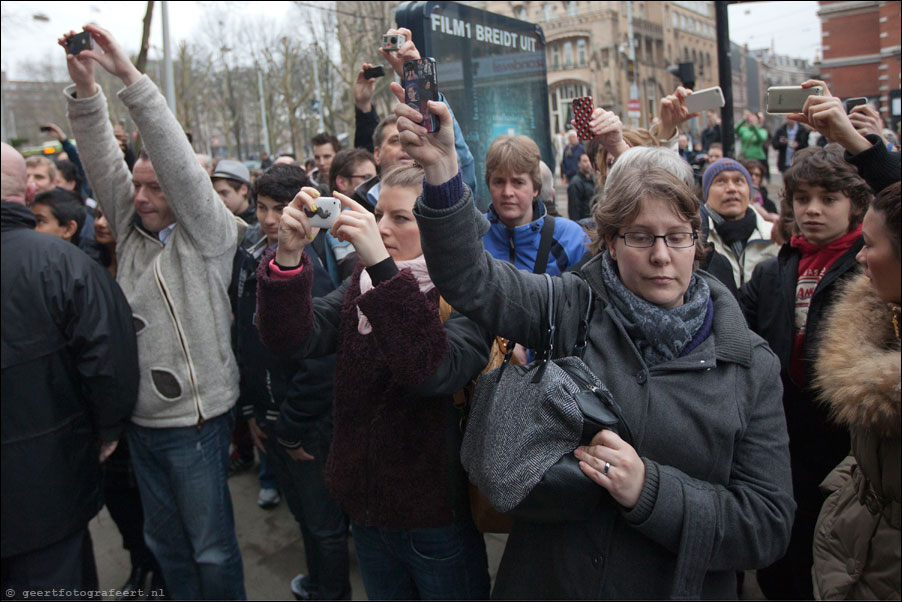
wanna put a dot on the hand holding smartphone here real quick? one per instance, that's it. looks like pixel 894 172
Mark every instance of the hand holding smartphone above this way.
pixel 789 99
pixel 80 41
pixel 419 88
pixel 327 210
pixel 582 115
pixel 708 99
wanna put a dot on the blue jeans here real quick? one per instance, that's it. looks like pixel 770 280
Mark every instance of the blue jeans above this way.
pixel 188 523
pixel 444 563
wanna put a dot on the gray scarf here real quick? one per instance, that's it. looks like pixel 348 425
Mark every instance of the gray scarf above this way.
pixel 659 334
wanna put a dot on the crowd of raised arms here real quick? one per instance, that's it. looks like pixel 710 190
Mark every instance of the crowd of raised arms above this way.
pixel 166 314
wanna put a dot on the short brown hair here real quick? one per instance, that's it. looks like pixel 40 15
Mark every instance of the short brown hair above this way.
pixel 345 163
pixel 623 198
pixel 824 167
pixel 887 203
pixel 380 129
pixel 403 176
pixel 514 154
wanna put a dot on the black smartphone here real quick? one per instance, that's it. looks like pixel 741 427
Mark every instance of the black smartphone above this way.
pixel 78 42
pixel 419 88
pixel 851 103
pixel 374 72
pixel 44 128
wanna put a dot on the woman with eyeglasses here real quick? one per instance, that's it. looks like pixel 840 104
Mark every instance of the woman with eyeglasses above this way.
pixel 703 490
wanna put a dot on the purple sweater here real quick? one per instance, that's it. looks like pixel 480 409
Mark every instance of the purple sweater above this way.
pixel 394 460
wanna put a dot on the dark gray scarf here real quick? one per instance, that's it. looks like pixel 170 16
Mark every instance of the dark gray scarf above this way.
pixel 659 334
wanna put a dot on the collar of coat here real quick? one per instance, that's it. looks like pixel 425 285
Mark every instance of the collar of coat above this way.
pixel 732 338
pixel 859 365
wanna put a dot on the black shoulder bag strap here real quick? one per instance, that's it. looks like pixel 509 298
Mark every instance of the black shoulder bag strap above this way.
pixel 544 246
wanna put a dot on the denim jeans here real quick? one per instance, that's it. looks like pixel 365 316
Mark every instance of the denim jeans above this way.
pixel 444 563
pixel 324 526
pixel 188 523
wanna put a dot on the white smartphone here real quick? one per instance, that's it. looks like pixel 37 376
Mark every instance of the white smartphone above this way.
pixel 705 100
pixel 327 210
pixel 789 99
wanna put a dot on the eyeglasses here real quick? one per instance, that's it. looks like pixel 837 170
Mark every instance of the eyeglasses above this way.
pixel 674 240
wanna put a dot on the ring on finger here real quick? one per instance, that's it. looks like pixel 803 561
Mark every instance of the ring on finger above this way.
pixel 607 468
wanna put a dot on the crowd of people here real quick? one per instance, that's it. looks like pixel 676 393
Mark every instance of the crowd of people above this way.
pixel 166 314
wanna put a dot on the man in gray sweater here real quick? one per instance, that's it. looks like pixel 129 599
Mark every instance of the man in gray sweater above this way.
pixel 175 243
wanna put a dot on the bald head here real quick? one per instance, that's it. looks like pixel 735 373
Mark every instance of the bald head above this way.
pixel 14 177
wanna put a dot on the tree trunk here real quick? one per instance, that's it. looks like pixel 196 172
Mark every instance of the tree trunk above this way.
pixel 141 62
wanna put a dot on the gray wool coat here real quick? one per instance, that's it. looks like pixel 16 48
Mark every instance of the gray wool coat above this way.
pixel 709 427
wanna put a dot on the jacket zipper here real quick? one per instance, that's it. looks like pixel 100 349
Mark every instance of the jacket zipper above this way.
pixel 178 328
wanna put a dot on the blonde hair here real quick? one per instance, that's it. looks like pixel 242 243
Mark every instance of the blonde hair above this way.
pixel 514 154
pixel 404 176
pixel 36 160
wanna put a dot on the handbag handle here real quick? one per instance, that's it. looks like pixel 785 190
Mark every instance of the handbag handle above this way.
pixel 549 348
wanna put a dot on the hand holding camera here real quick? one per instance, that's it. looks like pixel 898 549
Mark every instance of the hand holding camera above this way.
pixel 358 226
pixel 674 112
pixel 364 88
pixel 81 64
pixel 434 152
pixel 295 228
pixel 826 114
pixel 407 51
pixel 607 128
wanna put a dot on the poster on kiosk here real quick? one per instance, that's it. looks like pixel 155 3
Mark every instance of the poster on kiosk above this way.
pixel 491 70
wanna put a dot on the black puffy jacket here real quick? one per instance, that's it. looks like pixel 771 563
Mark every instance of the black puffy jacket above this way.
pixel 69 380
pixel 768 302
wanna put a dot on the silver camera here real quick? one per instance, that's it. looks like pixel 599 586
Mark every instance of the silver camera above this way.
pixel 392 42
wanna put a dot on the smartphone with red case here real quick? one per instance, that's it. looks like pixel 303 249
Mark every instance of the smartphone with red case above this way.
pixel 419 88
pixel 582 114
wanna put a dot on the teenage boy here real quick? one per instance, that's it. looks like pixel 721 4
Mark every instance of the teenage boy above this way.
pixel 60 213
pixel 288 403
pixel 786 302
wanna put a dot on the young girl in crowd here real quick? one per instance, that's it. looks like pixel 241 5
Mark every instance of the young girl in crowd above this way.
pixel 857 539
pixel 785 302
pixel 704 489
pixel 394 463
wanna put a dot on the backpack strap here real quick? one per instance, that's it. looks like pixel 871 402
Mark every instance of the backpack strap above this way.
pixel 544 245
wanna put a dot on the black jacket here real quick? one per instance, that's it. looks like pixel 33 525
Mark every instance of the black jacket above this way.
pixel 69 380
pixel 580 191
pixel 768 302
pixel 291 399
pixel 878 166
pixel 780 147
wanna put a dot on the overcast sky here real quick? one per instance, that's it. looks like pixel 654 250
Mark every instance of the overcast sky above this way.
pixel 792 27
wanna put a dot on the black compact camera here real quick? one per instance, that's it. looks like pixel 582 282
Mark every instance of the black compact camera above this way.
pixel 78 42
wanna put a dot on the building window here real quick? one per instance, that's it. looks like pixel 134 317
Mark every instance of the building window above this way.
pixel 568 55
pixel 555 57
pixel 675 18
pixel 605 57
pixel 562 96
pixel 521 13
pixel 572 9
pixel 548 11
pixel 581 53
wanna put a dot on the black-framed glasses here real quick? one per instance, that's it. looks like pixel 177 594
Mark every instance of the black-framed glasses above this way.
pixel 674 240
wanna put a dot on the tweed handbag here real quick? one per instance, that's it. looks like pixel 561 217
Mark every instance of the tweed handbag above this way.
pixel 526 421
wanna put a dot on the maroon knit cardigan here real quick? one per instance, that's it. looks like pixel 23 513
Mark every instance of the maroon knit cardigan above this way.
pixel 391 463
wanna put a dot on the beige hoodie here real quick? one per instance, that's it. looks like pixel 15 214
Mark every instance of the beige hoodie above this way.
pixel 177 291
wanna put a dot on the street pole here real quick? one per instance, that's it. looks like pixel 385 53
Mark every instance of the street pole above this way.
pixel 263 112
pixel 633 112
pixel 725 75
pixel 168 79
pixel 319 95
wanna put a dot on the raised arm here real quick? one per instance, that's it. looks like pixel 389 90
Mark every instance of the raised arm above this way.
pixel 187 188
pixel 101 157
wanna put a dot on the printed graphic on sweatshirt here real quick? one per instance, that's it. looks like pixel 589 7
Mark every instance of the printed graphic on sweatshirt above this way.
pixel 804 291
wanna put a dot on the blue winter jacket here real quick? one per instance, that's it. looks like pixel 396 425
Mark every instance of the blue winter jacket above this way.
pixel 519 245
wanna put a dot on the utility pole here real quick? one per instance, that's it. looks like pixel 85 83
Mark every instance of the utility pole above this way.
pixel 319 94
pixel 168 79
pixel 725 75
pixel 263 112
pixel 634 106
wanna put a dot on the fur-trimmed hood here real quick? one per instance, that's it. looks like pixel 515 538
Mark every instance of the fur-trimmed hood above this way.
pixel 859 365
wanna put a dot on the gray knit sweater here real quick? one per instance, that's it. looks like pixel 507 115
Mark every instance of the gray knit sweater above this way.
pixel 177 291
